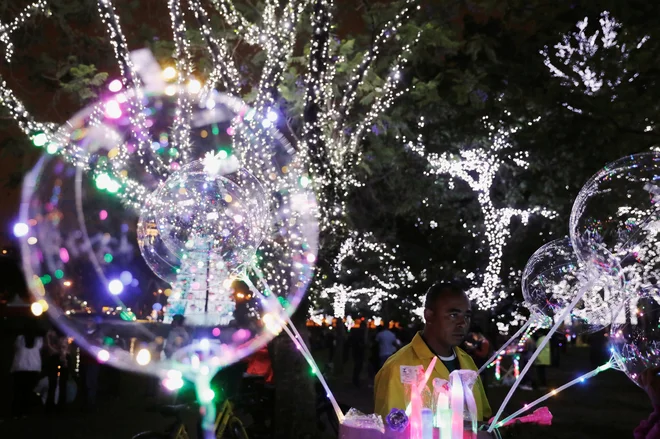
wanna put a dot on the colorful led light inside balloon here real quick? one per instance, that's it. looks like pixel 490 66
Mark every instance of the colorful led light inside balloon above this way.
pixel 112 109
pixel 115 86
pixel 126 277
pixel 21 229
pixel 143 357
pixel 115 287
pixel 103 356
pixel 37 309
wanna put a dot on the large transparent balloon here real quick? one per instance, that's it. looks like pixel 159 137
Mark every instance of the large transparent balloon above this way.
pixel 618 210
pixel 142 216
pixel 554 276
pixel 635 336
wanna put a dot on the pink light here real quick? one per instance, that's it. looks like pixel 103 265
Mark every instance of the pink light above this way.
pixel 64 255
pixel 240 335
pixel 230 131
pixel 115 86
pixel 174 166
pixel 103 215
pixel 216 332
pixel 112 109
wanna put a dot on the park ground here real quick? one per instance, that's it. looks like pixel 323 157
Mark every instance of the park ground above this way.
pixel 608 405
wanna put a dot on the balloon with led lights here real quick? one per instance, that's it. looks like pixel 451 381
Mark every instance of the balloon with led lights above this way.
pixel 553 277
pixel 147 211
pixel 617 213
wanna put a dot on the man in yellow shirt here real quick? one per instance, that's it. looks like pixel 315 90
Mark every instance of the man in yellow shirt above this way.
pixel 447 314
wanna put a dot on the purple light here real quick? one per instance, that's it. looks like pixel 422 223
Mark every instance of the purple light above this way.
pixel 103 356
pixel 112 110
pixel 64 255
pixel 126 277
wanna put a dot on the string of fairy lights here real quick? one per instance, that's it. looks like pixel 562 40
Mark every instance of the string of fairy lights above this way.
pixel 392 276
pixel 330 144
pixel 479 167
pixel 573 57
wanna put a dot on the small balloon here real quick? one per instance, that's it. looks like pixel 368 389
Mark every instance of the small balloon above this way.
pixel 554 276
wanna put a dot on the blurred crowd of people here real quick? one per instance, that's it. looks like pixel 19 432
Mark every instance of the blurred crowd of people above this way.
pixel 49 373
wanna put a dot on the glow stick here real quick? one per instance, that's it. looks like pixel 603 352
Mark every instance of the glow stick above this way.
pixel 538 350
pixel 427 375
pixel 427 423
pixel 440 398
pixel 416 411
pixel 504 346
pixel 457 403
pixel 531 405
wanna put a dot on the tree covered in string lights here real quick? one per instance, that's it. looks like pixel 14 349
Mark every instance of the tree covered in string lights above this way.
pixel 335 98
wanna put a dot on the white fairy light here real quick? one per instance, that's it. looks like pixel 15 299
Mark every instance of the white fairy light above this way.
pixel 572 60
pixel 330 144
pixel 391 278
pixel 478 167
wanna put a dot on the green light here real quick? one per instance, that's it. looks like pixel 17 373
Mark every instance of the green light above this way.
pixel 207 395
pixel 51 148
pixel 222 154
pixel 215 130
pixel 113 187
pixel 107 258
pixel 304 181
pixel 59 274
pixel 40 139
pixel 46 279
pixel 102 181
pixel 173 152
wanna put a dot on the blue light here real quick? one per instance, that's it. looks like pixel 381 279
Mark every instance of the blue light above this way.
pixel 126 277
pixel 115 287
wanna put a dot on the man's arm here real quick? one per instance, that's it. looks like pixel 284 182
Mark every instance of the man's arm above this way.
pixel 486 410
pixel 388 390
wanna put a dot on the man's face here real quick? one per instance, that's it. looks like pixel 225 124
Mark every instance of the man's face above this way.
pixel 449 320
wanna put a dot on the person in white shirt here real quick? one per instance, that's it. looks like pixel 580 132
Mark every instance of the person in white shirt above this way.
pixel 387 344
pixel 25 370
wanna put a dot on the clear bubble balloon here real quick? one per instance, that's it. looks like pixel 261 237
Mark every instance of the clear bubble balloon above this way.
pixel 635 335
pixel 618 210
pixel 554 276
pixel 169 246
pixel 209 209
